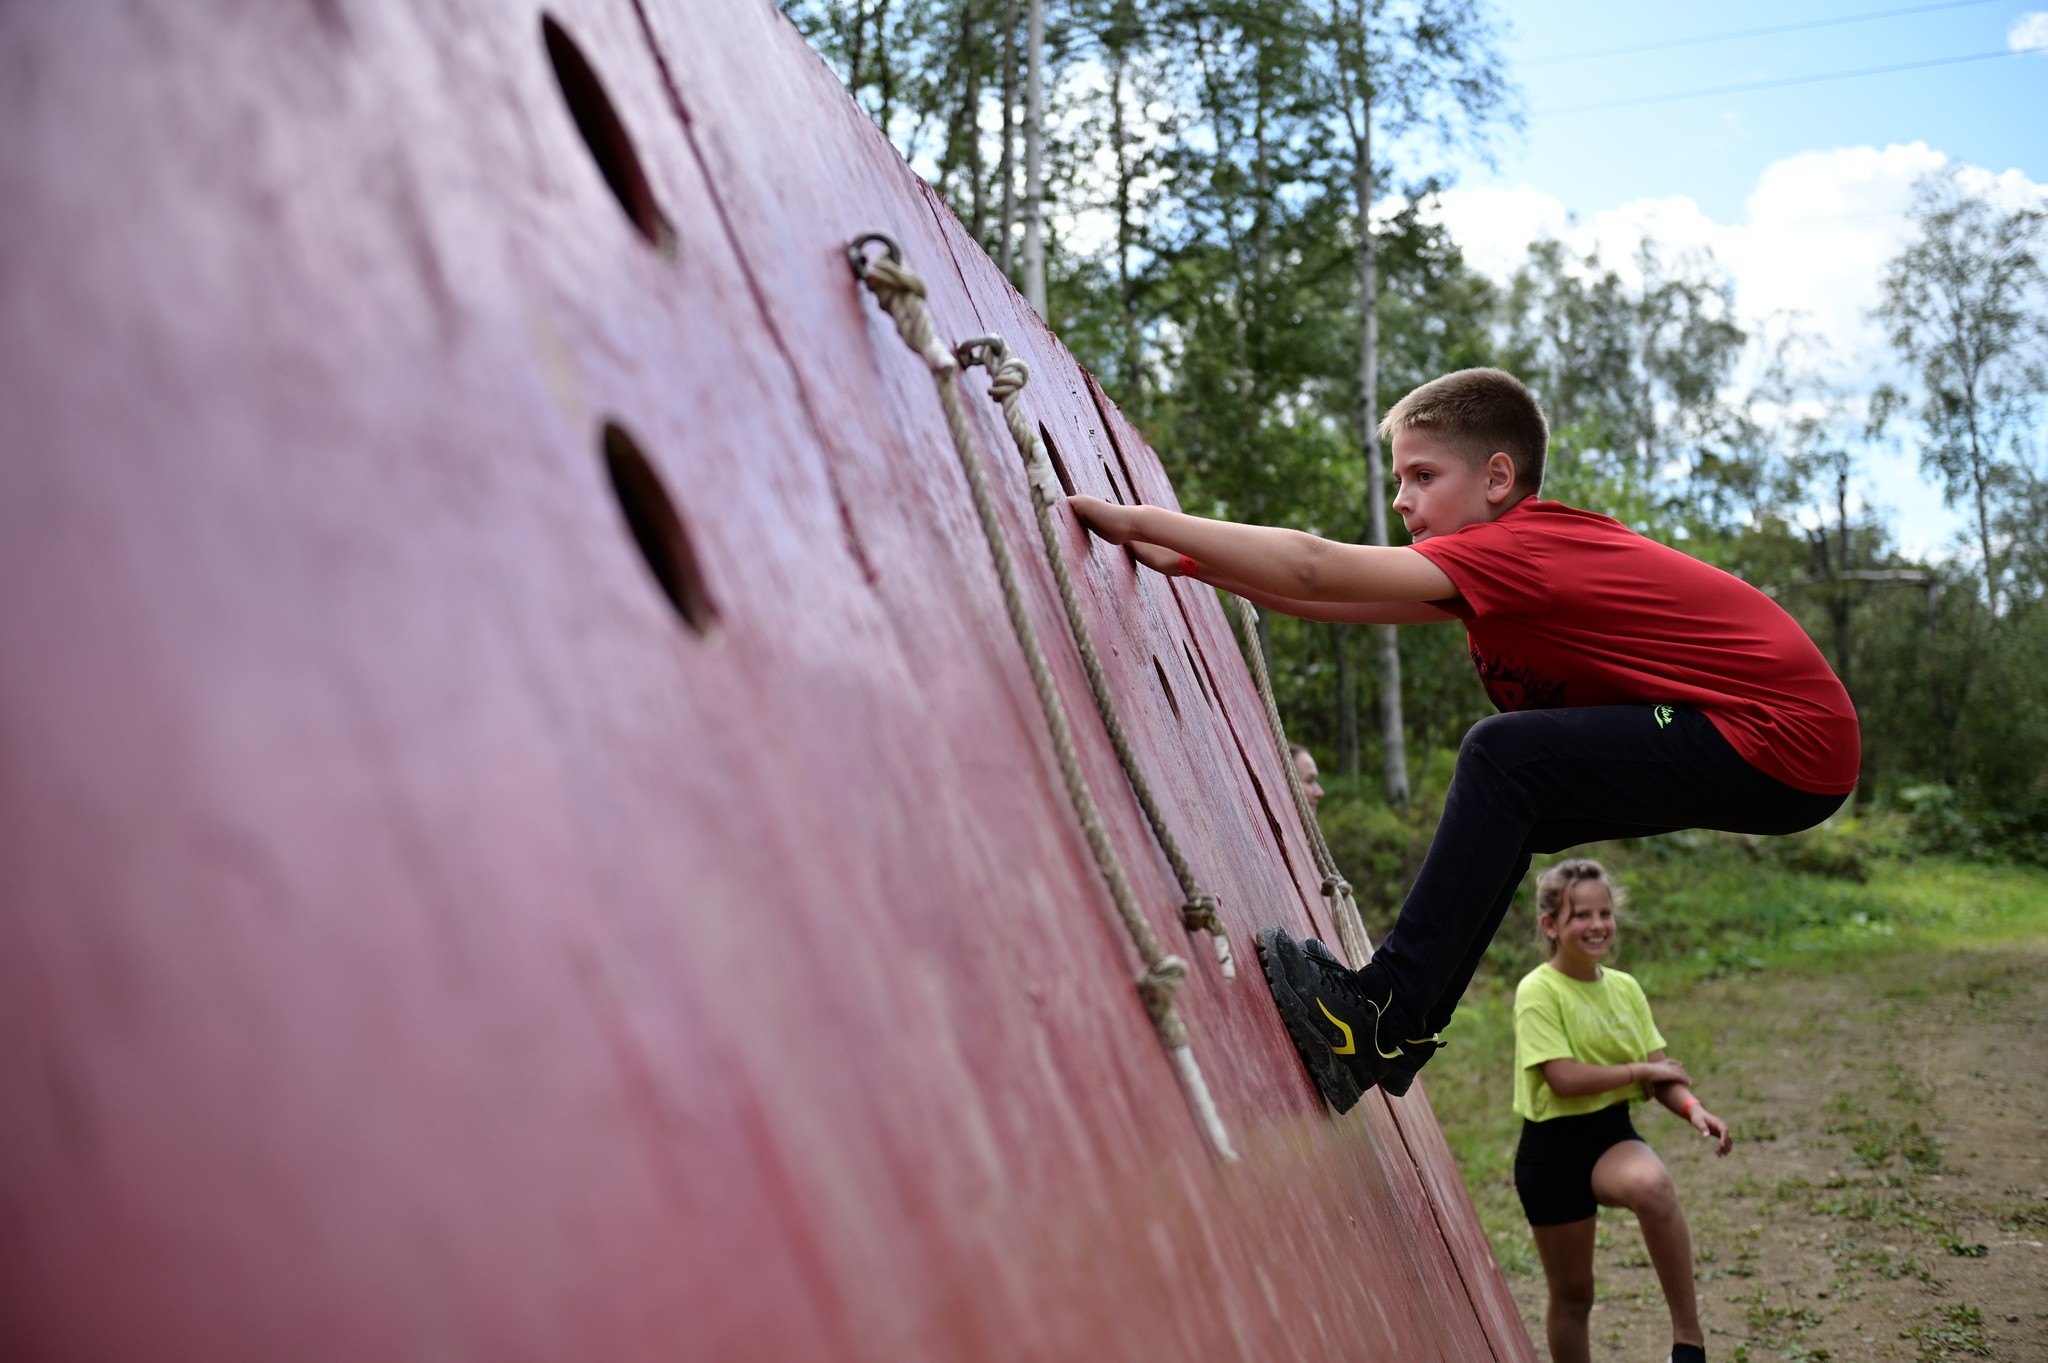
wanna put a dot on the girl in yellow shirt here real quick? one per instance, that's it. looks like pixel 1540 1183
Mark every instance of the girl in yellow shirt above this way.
pixel 1585 1048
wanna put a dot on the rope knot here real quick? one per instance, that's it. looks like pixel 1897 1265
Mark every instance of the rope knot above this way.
pixel 1007 378
pixel 1157 987
pixel 1007 374
pixel 1335 885
pixel 901 292
pixel 889 277
pixel 1200 914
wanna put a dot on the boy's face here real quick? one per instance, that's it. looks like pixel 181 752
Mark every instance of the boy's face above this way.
pixel 1436 489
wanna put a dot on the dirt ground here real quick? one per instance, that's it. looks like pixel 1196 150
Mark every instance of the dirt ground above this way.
pixel 1887 1196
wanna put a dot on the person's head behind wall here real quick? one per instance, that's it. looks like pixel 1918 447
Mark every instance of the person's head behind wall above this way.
pixel 1311 778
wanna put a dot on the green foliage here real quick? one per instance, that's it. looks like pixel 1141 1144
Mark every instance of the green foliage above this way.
pixel 1937 821
pixel 1964 303
pixel 1875 1142
pixel 1204 260
pixel 1635 371
pixel 1378 848
pixel 1957 1332
pixel 1714 904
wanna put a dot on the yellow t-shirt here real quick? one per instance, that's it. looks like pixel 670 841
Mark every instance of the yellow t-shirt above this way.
pixel 1601 1022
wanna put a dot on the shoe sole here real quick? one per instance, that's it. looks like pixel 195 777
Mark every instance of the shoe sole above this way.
pixel 1339 1089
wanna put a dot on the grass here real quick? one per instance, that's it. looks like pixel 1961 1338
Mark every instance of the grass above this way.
pixel 1713 915
pixel 1863 1206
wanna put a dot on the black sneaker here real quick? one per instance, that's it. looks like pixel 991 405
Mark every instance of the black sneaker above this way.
pixel 1329 1014
pixel 1414 1051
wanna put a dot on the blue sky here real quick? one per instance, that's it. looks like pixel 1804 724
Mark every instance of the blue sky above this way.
pixel 1800 193
pixel 1990 113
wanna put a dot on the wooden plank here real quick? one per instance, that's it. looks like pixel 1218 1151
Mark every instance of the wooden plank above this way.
pixel 419 942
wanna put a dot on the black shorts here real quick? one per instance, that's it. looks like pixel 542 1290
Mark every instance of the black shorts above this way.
pixel 1554 1163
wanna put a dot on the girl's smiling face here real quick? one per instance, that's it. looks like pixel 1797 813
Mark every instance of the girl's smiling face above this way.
pixel 1582 933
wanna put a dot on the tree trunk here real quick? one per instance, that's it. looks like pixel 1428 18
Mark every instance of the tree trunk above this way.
pixel 1979 476
pixel 1006 236
pixel 1262 198
pixel 1034 159
pixel 887 77
pixel 1394 756
pixel 1840 594
pixel 971 118
pixel 856 51
pixel 1127 294
pixel 1347 703
pixel 950 141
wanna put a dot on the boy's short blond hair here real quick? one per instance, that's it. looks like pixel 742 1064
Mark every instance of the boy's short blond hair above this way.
pixel 1479 412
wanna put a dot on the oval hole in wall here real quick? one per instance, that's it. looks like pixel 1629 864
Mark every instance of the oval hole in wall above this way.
pixel 610 145
pixel 1114 491
pixel 1167 687
pixel 1200 684
pixel 657 529
pixel 1059 465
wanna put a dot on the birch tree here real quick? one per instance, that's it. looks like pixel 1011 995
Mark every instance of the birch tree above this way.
pixel 1426 67
pixel 1967 308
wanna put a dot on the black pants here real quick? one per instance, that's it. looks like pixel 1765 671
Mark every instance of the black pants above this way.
pixel 1554 1163
pixel 1544 780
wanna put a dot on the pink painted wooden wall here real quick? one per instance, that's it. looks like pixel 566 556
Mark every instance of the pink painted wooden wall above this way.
pixel 418 940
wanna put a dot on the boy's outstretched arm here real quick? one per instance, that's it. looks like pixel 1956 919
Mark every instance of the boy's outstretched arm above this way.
pixel 1163 560
pixel 1283 563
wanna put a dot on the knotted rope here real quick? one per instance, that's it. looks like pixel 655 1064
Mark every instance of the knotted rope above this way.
pixel 1007 376
pixel 901 294
pixel 1336 889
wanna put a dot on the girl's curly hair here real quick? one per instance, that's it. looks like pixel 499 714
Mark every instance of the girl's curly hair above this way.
pixel 1554 886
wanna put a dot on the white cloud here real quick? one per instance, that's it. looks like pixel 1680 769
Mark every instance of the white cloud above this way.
pixel 1818 230
pixel 2029 32
pixel 1810 251
pixel 1495 226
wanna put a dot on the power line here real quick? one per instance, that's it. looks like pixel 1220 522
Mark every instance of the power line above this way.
pixel 1774 84
pixel 1748 33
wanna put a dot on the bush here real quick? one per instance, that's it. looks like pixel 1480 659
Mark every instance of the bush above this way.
pixel 1379 849
pixel 1940 823
pixel 2019 831
pixel 1937 821
pixel 1843 848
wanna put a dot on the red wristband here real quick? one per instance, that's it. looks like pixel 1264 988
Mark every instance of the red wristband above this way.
pixel 1691 1101
pixel 1189 568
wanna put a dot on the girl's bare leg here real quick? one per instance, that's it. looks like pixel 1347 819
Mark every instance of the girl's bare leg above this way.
pixel 1567 1254
pixel 1630 1175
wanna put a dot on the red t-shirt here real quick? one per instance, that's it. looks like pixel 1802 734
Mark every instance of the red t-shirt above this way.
pixel 1569 607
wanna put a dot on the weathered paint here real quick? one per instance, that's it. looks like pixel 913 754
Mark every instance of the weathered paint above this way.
pixel 415 942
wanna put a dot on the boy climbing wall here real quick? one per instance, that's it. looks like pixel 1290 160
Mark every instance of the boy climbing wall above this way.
pixel 1641 692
